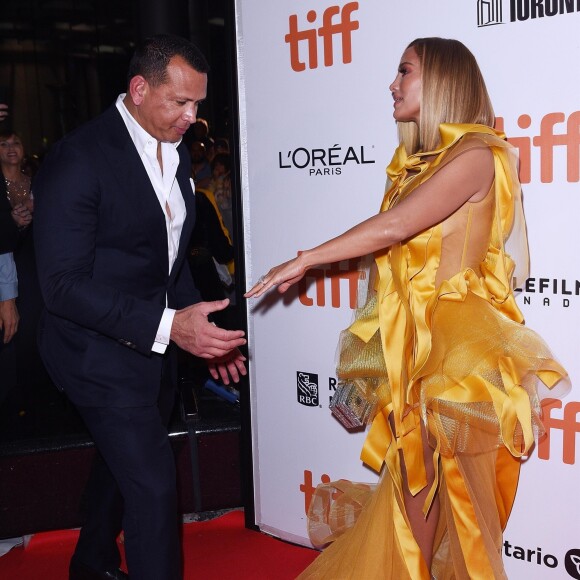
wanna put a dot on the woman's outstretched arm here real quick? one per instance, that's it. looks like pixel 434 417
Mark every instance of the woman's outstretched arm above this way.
pixel 467 178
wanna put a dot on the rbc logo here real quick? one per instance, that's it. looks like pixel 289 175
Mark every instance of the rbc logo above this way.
pixel 344 27
pixel 307 389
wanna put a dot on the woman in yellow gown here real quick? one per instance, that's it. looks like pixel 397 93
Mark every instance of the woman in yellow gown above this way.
pixel 438 341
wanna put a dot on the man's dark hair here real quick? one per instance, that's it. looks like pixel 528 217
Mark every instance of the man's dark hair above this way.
pixel 152 56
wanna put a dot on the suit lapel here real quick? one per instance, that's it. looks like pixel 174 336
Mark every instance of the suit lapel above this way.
pixel 183 179
pixel 134 183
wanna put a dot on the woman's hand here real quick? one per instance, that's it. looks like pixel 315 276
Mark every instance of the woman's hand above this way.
pixel 282 276
pixel 22 215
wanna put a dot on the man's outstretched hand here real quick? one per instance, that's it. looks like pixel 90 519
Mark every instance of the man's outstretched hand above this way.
pixel 193 332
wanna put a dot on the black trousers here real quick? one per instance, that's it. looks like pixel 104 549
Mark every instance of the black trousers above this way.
pixel 132 486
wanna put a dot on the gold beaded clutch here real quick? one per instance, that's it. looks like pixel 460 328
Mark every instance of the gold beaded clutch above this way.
pixel 353 405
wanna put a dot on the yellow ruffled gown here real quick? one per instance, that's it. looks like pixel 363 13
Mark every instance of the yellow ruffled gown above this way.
pixel 440 340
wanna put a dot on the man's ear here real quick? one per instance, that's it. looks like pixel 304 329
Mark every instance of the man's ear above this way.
pixel 137 89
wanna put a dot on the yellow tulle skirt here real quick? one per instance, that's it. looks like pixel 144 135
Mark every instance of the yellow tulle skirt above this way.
pixel 479 395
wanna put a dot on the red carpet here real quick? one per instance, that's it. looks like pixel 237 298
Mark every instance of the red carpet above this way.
pixel 213 550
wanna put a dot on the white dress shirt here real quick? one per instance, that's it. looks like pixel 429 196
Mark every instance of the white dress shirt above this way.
pixel 169 195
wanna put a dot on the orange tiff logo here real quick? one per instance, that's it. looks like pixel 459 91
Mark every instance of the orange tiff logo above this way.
pixel 335 274
pixel 308 489
pixel 550 136
pixel 344 27
pixel 569 425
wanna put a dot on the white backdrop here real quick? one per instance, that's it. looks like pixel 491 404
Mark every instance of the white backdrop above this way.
pixel 316 121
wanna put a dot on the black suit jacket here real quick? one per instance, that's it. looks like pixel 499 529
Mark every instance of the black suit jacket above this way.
pixel 101 246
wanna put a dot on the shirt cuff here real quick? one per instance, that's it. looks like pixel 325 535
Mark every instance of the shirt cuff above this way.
pixel 8 291
pixel 164 331
pixel 8 278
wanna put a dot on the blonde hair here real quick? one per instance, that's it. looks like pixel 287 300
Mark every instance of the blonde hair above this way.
pixel 452 91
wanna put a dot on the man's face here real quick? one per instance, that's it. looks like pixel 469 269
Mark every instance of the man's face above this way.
pixel 166 111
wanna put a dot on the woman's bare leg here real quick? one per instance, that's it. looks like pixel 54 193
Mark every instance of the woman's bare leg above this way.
pixel 423 528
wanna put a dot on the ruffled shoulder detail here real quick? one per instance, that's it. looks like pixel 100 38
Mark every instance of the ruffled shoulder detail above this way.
pixel 507 262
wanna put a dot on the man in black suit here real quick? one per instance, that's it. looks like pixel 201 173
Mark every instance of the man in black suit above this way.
pixel 114 212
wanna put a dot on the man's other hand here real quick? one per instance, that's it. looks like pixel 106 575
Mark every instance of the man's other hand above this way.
pixel 232 365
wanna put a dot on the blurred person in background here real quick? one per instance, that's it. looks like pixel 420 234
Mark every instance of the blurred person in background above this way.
pixel 9 319
pixel 16 204
pixel 220 185
pixel 221 145
pixel 16 184
pixel 20 364
pixel 200 166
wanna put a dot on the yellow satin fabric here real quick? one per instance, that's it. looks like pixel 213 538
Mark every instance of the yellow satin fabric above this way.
pixel 408 342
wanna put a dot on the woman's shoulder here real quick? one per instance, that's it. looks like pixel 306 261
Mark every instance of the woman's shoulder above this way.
pixel 480 141
pixel 472 155
pixel 470 135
